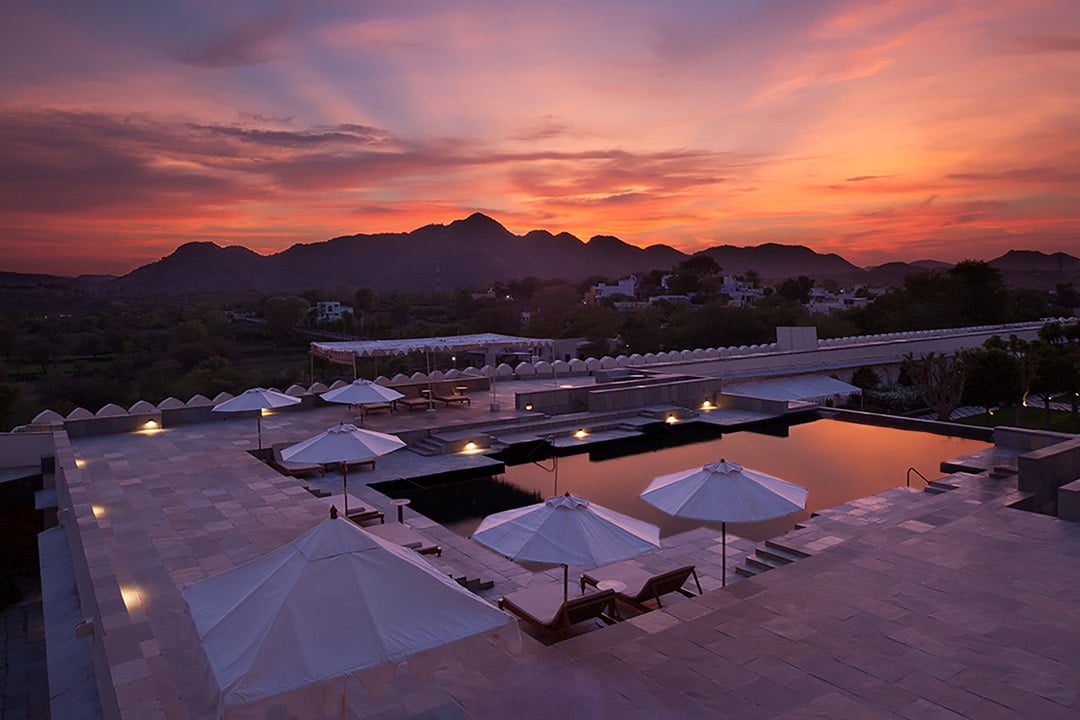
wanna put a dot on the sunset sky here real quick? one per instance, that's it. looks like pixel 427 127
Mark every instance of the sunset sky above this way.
pixel 882 131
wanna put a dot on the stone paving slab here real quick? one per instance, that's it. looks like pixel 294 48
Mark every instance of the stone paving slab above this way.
pixel 911 604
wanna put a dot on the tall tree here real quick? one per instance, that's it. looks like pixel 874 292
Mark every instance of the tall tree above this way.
pixel 940 378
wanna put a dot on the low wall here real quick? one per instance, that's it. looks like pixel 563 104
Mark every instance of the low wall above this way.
pixel 25 449
pixel 735 401
pixel 1027 440
pixel 971 432
pixel 685 392
pixel 1041 472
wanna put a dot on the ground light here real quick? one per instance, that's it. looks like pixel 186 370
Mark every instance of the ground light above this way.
pixel 671 420
pixel 707 405
pixel 580 433
pixel 132 597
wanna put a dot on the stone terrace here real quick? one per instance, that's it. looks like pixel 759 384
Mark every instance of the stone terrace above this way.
pixel 911 605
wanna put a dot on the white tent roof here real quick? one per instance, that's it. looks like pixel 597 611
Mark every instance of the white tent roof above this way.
pixel 724 492
pixel 336 601
pixel 344 352
pixel 803 387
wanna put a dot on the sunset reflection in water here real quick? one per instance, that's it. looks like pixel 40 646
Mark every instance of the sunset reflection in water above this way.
pixel 838 461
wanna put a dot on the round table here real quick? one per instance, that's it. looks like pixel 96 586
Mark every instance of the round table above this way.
pixel 400 504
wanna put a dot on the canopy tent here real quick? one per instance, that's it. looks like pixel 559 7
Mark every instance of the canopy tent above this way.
pixel 282 633
pixel 344 353
pixel 814 388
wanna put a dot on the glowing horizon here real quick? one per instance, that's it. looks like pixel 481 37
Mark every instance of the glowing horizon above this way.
pixel 876 130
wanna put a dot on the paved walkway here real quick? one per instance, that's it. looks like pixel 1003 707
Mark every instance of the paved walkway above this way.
pixel 911 605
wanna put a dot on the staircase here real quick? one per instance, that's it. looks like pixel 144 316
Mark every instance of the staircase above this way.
pixel 767 556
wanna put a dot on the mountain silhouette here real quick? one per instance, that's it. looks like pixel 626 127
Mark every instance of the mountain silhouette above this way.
pixel 476 251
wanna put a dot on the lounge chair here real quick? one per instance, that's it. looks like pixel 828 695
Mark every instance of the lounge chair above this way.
pixel 406 537
pixel 361 515
pixel 294 469
pixel 368 408
pixel 448 397
pixel 543 608
pixel 416 403
pixel 642 585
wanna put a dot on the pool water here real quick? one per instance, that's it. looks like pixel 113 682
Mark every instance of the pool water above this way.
pixel 837 461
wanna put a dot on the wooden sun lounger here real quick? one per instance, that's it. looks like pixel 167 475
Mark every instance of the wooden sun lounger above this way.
pixel 416 403
pixel 294 469
pixel 361 515
pixel 406 537
pixel 450 399
pixel 368 408
pixel 543 608
pixel 642 585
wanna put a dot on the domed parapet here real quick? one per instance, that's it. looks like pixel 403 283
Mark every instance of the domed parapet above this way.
pixel 111 410
pixel 525 370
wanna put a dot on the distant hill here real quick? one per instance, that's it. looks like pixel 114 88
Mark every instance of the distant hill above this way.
pixel 472 253
pixel 467 253
pixel 778 262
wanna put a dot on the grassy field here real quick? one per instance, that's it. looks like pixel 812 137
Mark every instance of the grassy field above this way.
pixel 1030 417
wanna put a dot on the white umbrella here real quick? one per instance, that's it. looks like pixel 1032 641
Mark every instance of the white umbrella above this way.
pixel 290 627
pixel 361 392
pixel 566 530
pixel 724 492
pixel 344 444
pixel 256 399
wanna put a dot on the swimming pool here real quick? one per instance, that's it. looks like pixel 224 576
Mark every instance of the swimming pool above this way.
pixel 838 461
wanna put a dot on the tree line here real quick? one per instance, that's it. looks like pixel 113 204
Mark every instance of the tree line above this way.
pixel 123 352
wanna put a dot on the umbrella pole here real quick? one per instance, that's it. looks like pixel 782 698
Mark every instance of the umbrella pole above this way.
pixel 565 582
pixel 723 562
pixel 258 426
pixel 345 487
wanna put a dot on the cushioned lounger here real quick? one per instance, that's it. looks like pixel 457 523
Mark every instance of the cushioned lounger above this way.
pixel 642 585
pixel 543 607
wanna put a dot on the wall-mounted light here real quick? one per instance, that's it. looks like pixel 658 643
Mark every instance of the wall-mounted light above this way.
pixel 470 446
pixel 132 597
pixel 707 405
pixel 528 406
pixel 580 433
pixel 671 420
pixel 150 425
pixel 98 510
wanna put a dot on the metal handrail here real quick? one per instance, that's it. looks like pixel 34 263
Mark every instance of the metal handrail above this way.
pixel 913 470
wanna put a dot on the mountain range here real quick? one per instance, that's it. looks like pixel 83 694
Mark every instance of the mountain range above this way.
pixel 476 251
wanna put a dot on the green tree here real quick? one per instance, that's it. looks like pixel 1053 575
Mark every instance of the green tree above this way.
pixel 993 376
pixel 941 379
pixel 282 314
pixel 868 379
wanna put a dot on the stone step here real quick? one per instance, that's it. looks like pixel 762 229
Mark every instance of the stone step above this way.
pixel 934 489
pixel 777 555
pixel 746 571
pixel 474 584
pixel 778 545
pixel 763 563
